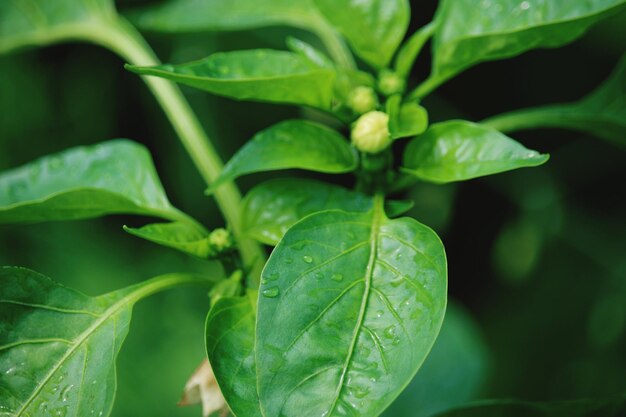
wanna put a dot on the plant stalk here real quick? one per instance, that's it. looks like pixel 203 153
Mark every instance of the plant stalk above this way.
pixel 123 39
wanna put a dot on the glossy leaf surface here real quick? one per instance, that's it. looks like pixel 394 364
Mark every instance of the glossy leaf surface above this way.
pixel 458 150
pixel 58 346
pixel 405 119
pixel 272 207
pixel 181 236
pixel 230 348
pixel 218 15
pixel 471 31
pixel 117 176
pixel 615 407
pixel 292 144
pixel 350 306
pixel 42 22
pixel 453 374
pixel 258 75
pixel 374 28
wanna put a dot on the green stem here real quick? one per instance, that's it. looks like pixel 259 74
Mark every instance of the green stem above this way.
pixel 554 116
pixel 428 86
pixel 123 39
pixel 164 282
pixel 335 45
pixel 411 49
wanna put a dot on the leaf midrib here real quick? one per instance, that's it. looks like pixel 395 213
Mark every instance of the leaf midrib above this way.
pixel 129 299
pixel 378 212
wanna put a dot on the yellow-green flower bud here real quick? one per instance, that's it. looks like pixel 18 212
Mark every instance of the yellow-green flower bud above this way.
pixel 220 239
pixel 362 99
pixel 390 83
pixel 370 133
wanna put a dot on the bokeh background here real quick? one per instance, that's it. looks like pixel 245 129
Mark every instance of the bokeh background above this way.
pixel 537 257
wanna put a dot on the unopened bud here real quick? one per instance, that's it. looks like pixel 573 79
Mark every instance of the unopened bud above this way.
pixel 370 132
pixel 390 83
pixel 362 99
pixel 220 239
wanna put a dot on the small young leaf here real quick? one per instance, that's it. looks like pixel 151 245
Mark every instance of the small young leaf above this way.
pixel 57 355
pixel 258 75
pixel 182 236
pixel 42 22
pixel 272 207
pixel 350 306
pixel 471 31
pixel 374 28
pixel 177 16
pixel 309 52
pixel 117 176
pixel 405 119
pixel 230 348
pixel 458 150
pixel 292 144
pixel 394 208
pixel 612 407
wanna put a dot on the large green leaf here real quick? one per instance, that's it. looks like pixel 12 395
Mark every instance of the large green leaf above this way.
pixel 458 150
pixel 472 31
pixel 260 74
pixel 601 113
pixel 117 176
pixel 350 306
pixel 292 144
pixel 182 236
pixel 272 207
pixel 58 347
pixel 454 372
pixel 42 22
pixel 218 15
pixel 374 28
pixel 613 407
pixel 230 348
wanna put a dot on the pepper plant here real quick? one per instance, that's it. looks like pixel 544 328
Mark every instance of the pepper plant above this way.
pixel 341 315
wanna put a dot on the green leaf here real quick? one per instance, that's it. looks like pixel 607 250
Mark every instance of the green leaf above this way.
pixel 217 15
pixel 258 75
pixel 471 31
pixel 309 52
pixel 613 407
pixel 181 236
pixel 230 348
pixel 117 176
pixel 43 22
pixel 602 113
pixel 292 144
pixel 411 48
pixel 454 372
pixel 351 304
pixel 405 119
pixel 272 207
pixel 394 208
pixel 374 28
pixel 58 347
pixel 458 150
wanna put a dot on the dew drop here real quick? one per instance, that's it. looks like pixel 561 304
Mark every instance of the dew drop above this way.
pixel 307 259
pixel 380 313
pixel 273 276
pixel 390 332
pixel 10 370
pixel 298 245
pixel 271 292
pixel 524 5
pixel 288 261
pixel 337 277
pixel 319 275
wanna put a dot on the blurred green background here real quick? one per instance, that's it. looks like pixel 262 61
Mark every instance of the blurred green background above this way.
pixel 537 258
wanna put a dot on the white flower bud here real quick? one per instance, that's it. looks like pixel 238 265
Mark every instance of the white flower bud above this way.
pixel 362 99
pixel 370 132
